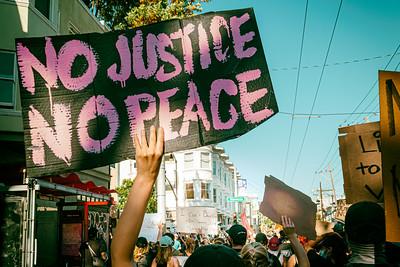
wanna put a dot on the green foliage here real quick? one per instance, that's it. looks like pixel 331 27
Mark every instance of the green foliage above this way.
pixel 152 11
pixel 123 192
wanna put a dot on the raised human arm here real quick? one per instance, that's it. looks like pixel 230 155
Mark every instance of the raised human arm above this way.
pixel 148 160
pixel 288 228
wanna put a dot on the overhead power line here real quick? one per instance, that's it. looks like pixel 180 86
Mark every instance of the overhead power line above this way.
pixel 335 63
pixel 317 91
pixel 295 93
pixel 328 114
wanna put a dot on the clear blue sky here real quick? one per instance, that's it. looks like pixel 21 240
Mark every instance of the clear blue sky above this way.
pixel 366 29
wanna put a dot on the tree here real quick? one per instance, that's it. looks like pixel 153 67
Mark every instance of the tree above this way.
pixel 152 11
pixel 123 192
pixel 124 14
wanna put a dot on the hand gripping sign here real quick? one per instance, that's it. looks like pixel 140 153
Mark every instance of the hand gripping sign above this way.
pixel 203 79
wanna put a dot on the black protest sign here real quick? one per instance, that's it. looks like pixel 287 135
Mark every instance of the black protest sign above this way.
pixel 360 151
pixel 203 79
pixel 282 200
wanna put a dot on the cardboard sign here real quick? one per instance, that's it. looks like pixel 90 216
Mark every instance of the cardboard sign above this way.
pixel 389 93
pixel 197 220
pixel 281 199
pixel 341 209
pixel 149 228
pixel 203 79
pixel 360 151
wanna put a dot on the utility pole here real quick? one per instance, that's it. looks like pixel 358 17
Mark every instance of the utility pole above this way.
pixel 333 186
pixel 161 191
pixel 321 201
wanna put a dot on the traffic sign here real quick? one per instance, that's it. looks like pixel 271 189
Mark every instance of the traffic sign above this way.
pixel 236 199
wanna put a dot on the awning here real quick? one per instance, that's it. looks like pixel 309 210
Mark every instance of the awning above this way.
pixel 72 185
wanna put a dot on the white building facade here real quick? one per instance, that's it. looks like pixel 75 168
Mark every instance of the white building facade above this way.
pixel 201 177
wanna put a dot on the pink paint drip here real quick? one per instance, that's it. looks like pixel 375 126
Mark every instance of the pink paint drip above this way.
pixel 189 114
pixel 57 138
pixel 66 57
pixel 249 98
pixel 240 40
pixel 125 58
pixel 205 58
pixel 139 69
pixel 163 42
pixel 94 107
pixel 186 46
pixel 215 25
pixel 27 62
pixel 230 88
pixel 166 116
pixel 136 116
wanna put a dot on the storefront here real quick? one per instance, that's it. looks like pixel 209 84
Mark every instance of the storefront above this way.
pixel 45 221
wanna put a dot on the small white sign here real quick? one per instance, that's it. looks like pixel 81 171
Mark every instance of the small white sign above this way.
pixel 197 220
pixel 149 228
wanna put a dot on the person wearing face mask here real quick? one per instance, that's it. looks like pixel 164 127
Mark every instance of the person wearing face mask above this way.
pixel 329 250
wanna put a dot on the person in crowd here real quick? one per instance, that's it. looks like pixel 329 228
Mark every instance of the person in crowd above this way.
pixel 214 256
pixel 238 236
pixel 164 257
pixel 330 250
pixel 365 231
pixel 263 240
pixel 148 159
pixel 94 250
pixel 141 253
pixel 274 248
pixel 189 249
pixel 177 244
pixel 255 254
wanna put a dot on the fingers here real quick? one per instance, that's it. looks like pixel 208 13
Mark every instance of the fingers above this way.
pixel 137 142
pixel 152 142
pixel 160 141
pixel 143 140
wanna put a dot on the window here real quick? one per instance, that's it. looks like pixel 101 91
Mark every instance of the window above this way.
pixel 205 190
pixel 215 195
pixel 189 191
pixel 7 79
pixel 44 7
pixel 214 167
pixel 225 179
pixel 188 160
pixel 205 160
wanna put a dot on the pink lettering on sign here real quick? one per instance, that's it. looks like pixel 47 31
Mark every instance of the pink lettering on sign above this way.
pixel 66 57
pixel 216 23
pixel 190 115
pixel 125 57
pixel 186 46
pixel 57 138
pixel 94 107
pixel 27 62
pixel 166 116
pixel 249 98
pixel 240 40
pixel 205 58
pixel 136 116
pixel 139 69
pixel 163 42
pixel 230 88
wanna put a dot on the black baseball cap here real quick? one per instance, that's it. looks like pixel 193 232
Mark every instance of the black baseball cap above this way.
pixel 365 223
pixel 214 255
pixel 238 234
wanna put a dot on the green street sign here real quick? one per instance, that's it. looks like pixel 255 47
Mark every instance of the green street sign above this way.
pixel 236 199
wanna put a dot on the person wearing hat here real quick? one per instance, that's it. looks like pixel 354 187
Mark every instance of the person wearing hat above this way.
pixel 237 236
pixel 141 253
pixel 214 256
pixel 164 256
pixel 365 231
pixel 262 239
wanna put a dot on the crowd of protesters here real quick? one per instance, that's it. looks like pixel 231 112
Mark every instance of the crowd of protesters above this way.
pixel 361 243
